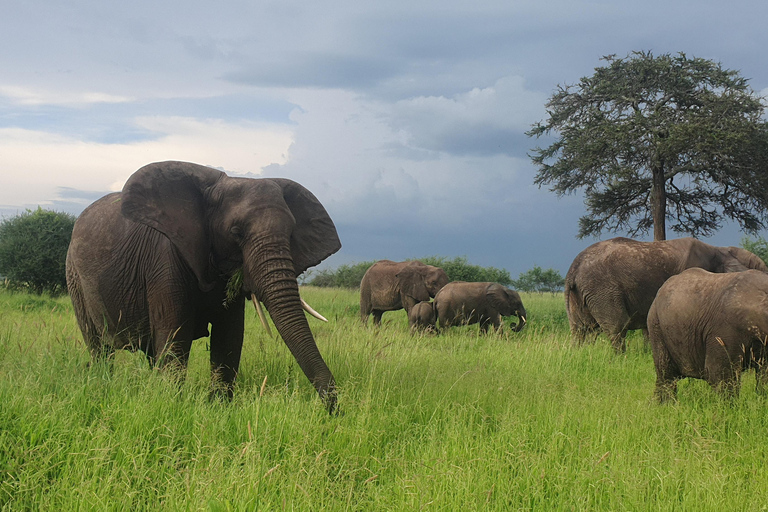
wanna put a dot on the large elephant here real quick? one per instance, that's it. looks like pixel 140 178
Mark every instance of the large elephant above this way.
pixel 148 268
pixel 389 286
pixel 460 303
pixel 611 284
pixel 712 327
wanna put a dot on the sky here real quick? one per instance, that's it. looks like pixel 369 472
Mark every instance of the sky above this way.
pixel 406 119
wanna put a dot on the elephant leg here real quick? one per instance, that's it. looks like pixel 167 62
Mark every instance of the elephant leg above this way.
pixel 723 376
pixel 171 349
pixel 226 348
pixel 728 387
pixel 666 390
pixel 95 336
pixel 667 374
pixel 377 316
pixel 365 311
pixel 618 340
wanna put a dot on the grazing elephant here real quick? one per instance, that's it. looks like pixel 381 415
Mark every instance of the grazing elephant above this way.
pixel 422 317
pixel 148 268
pixel 389 286
pixel 460 303
pixel 709 326
pixel 611 284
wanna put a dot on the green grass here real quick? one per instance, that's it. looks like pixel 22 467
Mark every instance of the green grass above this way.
pixel 460 421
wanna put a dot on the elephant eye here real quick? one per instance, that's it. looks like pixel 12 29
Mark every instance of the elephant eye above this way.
pixel 236 232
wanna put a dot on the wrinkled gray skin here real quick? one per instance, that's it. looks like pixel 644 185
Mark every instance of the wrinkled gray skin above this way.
pixel 460 303
pixel 422 318
pixel 147 268
pixel 712 327
pixel 389 286
pixel 611 284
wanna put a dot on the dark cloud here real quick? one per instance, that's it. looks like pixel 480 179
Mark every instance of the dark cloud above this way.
pixel 321 70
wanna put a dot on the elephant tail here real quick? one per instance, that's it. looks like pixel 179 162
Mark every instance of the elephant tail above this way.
pixel 580 318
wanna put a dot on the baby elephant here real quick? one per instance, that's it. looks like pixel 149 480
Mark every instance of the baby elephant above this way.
pixel 709 326
pixel 460 303
pixel 422 318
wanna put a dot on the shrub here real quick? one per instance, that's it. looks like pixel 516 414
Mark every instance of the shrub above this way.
pixel 33 250
pixel 345 276
pixel 538 280
pixel 457 269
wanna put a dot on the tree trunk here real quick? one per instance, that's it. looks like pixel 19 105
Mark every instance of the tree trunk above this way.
pixel 659 202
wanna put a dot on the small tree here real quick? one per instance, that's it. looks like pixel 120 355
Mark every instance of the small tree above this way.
pixel 33 249
pixel 538 280
pixel 649 138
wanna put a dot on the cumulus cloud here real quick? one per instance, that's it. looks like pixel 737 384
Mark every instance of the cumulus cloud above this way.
pixel 36 164
pixel 486 120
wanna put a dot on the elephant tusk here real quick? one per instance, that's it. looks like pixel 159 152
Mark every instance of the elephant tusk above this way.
pixel 312 312
pixel 260 312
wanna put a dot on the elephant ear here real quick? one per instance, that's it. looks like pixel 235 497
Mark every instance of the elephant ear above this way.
pixel 314 237
pixel 412 283
pixel 170 197
pixel 501 299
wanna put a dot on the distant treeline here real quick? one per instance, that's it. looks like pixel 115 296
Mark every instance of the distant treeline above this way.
pixel 458 269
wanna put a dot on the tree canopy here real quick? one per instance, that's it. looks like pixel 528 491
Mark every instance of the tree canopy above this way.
pixel 33 249
pixel 650 138
pixel 539 280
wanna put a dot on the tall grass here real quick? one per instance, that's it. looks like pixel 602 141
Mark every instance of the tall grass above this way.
pixel 459 421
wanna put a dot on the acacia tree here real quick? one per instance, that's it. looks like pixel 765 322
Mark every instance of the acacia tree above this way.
pixel 650 138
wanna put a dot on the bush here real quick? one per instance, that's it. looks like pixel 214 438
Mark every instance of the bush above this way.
pixel 346 276
pixel 459 269
pixel 538 280
pixel 33 250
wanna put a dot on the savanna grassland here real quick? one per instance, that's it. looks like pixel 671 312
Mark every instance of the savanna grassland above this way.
pixel 510 421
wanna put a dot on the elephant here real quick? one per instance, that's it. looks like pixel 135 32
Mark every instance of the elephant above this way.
pixel 611 284
pixel 712 327
pixel 422 317
pixel 460 303
pixel 148 268
pixel 389 286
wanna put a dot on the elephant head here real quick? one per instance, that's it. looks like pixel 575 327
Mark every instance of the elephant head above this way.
pixel 274 229
pixel 419 283
pixel 737 259
pixel 508 303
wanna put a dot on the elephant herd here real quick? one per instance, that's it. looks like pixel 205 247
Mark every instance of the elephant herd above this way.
pixel 704 309
pixel 409 285
pixel 182 247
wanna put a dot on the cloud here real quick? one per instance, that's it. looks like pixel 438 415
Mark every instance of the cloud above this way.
pixel 483 121
pixel 35 165
pixel 32 96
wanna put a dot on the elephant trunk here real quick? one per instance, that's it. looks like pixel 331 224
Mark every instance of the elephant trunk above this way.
pixel 521 321
pixel 270 275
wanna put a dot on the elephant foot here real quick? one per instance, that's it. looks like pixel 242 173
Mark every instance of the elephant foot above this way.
pixel 666 392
